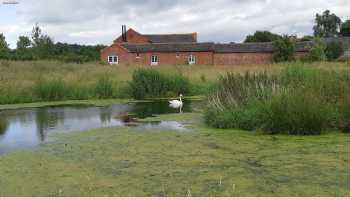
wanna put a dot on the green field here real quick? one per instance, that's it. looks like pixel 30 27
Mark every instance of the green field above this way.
pixel 203 162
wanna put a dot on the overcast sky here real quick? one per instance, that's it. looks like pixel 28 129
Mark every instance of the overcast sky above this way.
pixel 99 21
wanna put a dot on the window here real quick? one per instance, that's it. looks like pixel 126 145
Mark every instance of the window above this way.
pixel 154 60
pixel 177 55
pixel 191 59
pixel 113 59
pixel 137 55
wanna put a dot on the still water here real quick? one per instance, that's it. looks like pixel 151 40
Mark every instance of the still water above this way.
pixel 26 128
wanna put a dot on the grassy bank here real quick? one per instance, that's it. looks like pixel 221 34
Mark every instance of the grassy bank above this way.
pixel 204 162
pixel 34 81
pixel 300 100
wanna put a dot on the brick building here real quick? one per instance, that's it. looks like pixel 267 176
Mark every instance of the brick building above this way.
pixel 178 49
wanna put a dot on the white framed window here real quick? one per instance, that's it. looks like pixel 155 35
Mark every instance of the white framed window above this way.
pixel 177 55
pixel 113 59
pixel 191 59
pixel 154 60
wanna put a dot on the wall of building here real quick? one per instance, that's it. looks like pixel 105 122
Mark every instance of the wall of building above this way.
pixel 123 55
pixel 181 58
pixel 242 58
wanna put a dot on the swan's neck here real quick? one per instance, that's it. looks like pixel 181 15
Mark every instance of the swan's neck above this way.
pixel 180 99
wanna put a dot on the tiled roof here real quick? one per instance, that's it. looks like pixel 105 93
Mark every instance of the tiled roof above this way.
pixel 169 47
pixel 171 38
pixel 209 47
pixel 255 47
pixel 344 40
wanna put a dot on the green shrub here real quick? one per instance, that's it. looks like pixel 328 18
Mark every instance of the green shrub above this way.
pixel 334 50
pixel 300 101
pixel 50 90
pixel 150 83
pixel 284 50
pixel 317 51
pixel 104 87
pixel 296 113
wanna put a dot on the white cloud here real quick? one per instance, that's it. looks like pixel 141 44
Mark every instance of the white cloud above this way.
pixel 99 21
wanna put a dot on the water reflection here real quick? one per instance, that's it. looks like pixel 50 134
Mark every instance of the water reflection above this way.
pixel 25 128
pixel 47 119
pixel 3 126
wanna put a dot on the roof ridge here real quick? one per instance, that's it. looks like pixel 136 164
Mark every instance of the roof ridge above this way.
pixel 175 34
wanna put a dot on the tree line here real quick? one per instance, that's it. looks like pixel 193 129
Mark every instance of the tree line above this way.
pixel 40 46
pixel 327 25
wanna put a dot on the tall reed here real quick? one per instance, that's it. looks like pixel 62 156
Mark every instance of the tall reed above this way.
pixel 300 100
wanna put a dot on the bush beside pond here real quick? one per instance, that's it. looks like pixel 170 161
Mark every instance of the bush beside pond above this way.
pixel 150 83
pixel 300 101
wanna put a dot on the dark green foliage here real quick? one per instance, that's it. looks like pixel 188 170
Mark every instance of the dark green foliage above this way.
pixel 41 46
pixel 262 36
pixel 327 25
pixel 23 42
pixel 334 50
pixel 4 47
pixel 150 83
pixel 77 53
pixel 104 87
pixel 300 101
pixel 284 50
pixel 50 90
pixel 307 38
pixel 295 113
pixel 246 118
pixel 317 51
pixel 345 29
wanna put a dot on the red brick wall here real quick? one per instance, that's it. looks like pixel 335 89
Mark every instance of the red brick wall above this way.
pixel 202 58
pixel 242 58
pixel 133 37
pixel 115 49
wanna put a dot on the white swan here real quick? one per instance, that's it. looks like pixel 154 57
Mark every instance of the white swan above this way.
pixel 177 104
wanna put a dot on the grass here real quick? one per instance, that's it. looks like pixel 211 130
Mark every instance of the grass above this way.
pixel 79 81
pixel 204 162
pixel 301 100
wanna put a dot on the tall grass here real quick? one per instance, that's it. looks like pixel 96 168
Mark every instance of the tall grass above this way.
pixel 300 100
pixel 50 90
pixel 150 83
pixel 104 87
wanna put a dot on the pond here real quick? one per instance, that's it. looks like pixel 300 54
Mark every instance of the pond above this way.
pixel 26 128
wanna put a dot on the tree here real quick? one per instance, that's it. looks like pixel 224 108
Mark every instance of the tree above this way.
pixel 262 36
pixel 4 47
pixel 36 35
pixel 345 28
pixel 43 45
pixel 23 42
pixel 327 25
pixel 284 49
pixel 23 51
